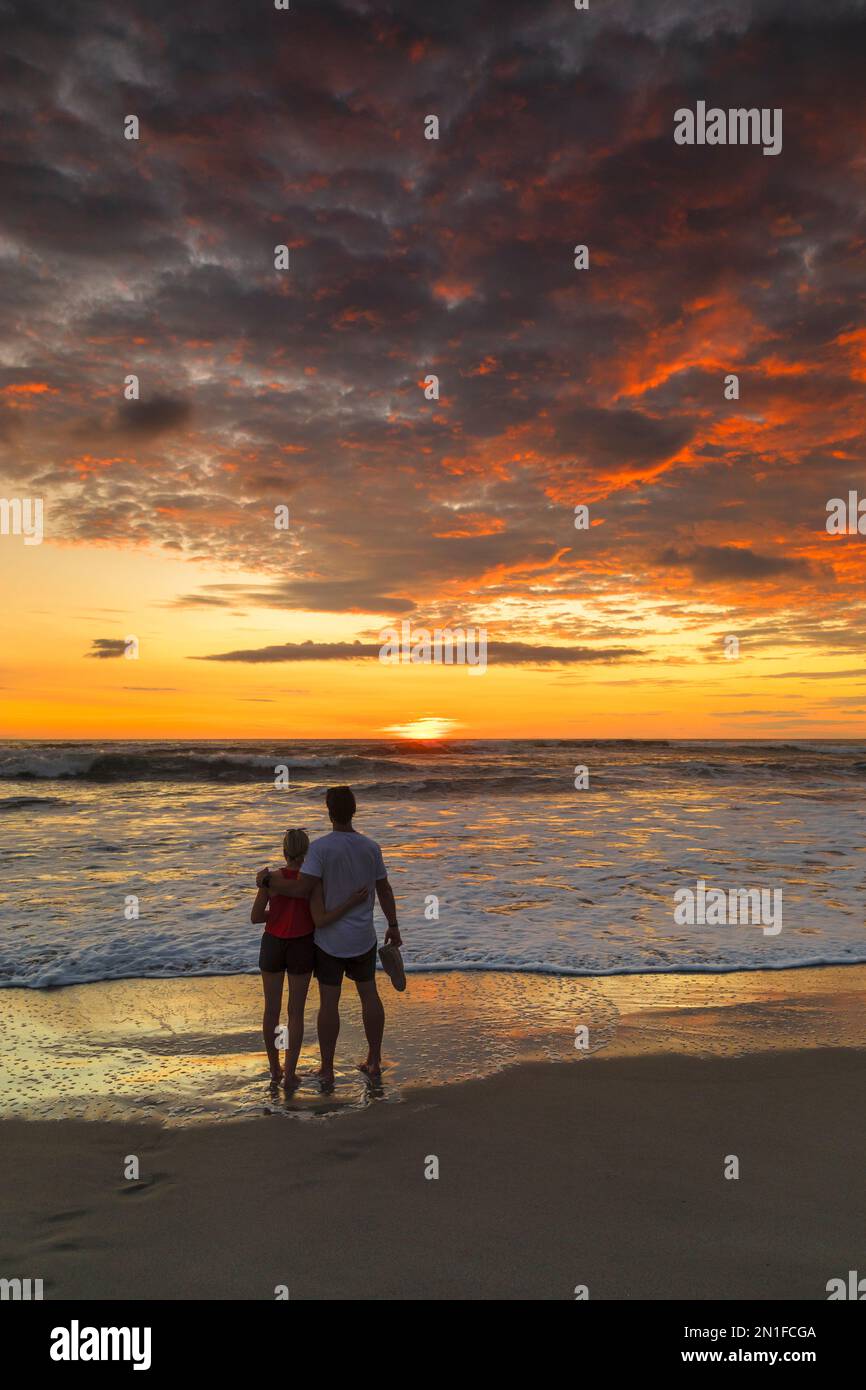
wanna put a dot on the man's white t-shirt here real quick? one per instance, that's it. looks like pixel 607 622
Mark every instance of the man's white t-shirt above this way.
pixel 344 861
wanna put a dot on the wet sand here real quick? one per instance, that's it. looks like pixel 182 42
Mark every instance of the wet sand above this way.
pixel 189 1051
pixel 607 1172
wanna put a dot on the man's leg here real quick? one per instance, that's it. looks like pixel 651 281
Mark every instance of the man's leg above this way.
pixel 272 984
pixel 373 1014
pixel 328 1025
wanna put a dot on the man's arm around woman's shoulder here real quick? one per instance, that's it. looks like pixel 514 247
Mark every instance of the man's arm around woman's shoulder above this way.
pixel 276 882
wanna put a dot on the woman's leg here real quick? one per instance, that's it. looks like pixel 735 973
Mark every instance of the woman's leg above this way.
pixel 272 984
pixel 298 986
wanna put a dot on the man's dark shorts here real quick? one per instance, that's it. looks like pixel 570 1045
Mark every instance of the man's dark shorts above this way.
pixel 329 969
pixel 292 953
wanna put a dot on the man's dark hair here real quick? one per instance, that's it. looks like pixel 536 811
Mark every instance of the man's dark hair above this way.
pixel 341 804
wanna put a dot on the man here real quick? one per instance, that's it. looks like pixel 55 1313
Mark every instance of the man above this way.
pixel 344 861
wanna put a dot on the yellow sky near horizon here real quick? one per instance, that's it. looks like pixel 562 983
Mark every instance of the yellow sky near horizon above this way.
pixel 60 598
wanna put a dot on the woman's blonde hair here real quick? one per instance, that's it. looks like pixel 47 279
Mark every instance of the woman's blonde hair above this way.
pixel 295 844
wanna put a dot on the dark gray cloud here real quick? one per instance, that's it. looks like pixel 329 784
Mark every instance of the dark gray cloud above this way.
pixel 320 596
pixel 151 418
pixel 500 653
pixel 852 673
pixel 737 564
pixel 106 648
pixel 454 257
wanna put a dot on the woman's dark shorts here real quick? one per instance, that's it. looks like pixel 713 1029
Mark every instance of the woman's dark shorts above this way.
pixel 296 954
pixel 329 969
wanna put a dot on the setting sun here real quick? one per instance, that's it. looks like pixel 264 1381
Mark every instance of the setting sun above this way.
pixel 427 727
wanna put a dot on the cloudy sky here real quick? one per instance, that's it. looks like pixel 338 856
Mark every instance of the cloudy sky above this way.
pixel 408 257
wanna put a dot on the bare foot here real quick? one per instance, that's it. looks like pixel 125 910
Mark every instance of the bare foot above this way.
pixel 276 1075
pixel 326 1077
pixel 372 1066
pixel 292 1082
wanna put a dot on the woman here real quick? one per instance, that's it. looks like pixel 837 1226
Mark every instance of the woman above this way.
pixel 287 949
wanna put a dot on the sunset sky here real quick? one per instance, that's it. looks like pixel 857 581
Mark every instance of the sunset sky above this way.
pixel 408 257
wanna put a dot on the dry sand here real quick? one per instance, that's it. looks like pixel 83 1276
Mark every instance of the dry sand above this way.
pixel 609 1173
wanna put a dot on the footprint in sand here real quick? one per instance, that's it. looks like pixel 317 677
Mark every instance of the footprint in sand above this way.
pixel 138 1185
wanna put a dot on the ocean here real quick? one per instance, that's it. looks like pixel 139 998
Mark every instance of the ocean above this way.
pixel 498 861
